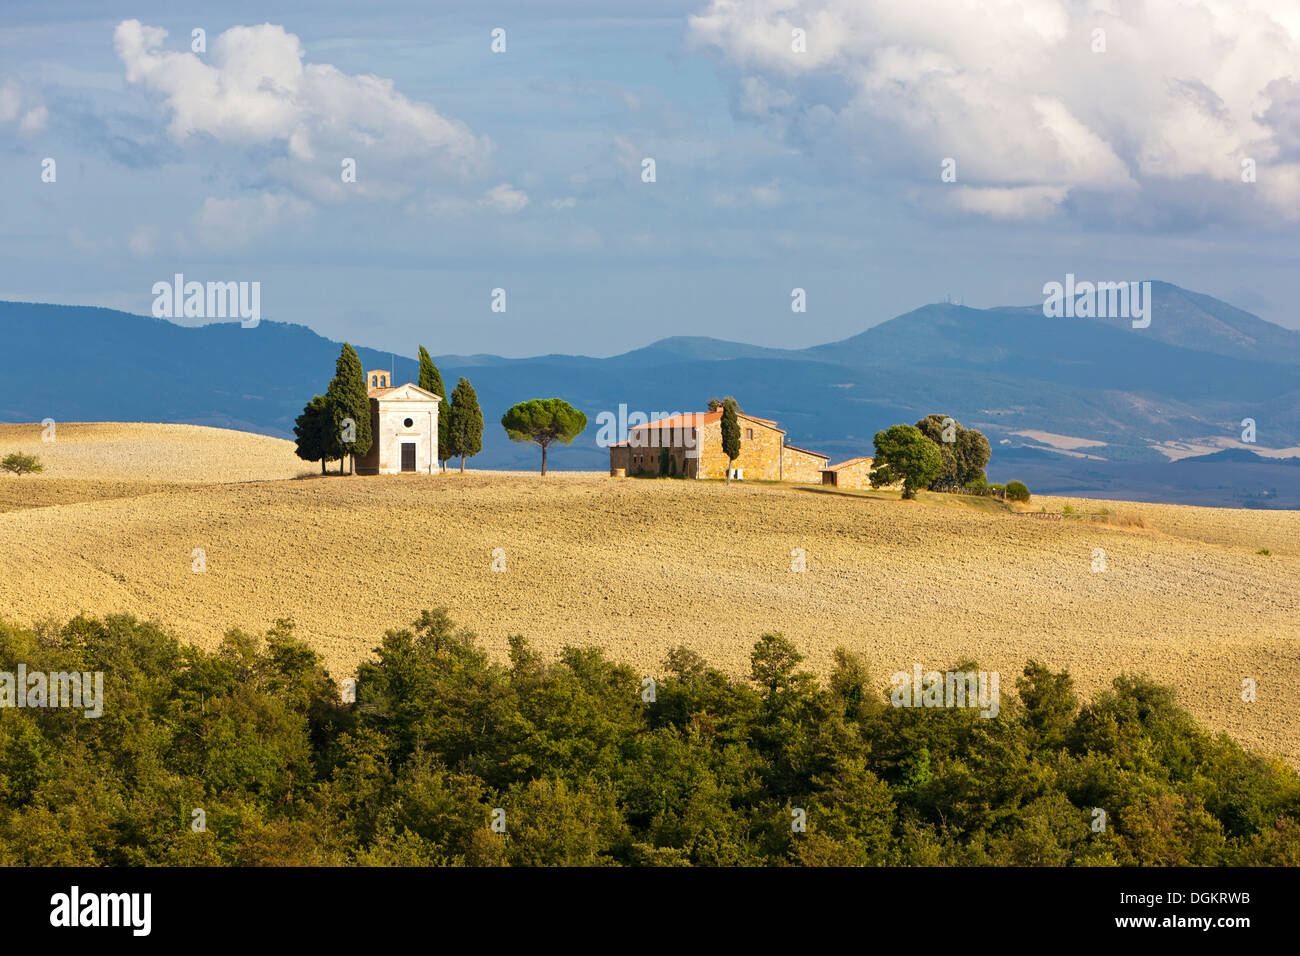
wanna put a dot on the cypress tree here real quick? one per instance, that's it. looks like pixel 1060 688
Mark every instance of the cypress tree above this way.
pixel 350 400
pixel 465 430
pixel 730 433
pixel 431 381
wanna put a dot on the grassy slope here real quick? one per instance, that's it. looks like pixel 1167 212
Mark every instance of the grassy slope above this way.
pixel 640 566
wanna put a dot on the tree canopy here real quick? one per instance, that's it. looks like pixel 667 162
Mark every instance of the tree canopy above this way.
pixel 544 421
pixel 258 737
pixel 964 451
pixel 904 454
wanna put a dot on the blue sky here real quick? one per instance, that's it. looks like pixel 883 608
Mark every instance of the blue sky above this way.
pixel 776 168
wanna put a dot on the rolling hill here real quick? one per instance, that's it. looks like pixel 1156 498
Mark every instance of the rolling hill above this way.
pixel 1187 596
pixel 1190 379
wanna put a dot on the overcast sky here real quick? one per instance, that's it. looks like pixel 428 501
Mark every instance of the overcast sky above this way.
pixel 781 161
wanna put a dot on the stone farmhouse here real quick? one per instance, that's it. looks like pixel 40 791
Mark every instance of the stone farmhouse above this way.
pixel 404 428
pixel 694 444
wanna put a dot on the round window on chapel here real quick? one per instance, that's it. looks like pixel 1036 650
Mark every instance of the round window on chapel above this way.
pixel 408 423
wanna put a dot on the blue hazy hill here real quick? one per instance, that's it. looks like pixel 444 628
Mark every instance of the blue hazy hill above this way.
pixel 1200 368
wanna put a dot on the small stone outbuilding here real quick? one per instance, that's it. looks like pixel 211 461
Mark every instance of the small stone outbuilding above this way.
pixel 854 473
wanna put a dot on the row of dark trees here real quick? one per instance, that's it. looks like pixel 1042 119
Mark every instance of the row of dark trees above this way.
pixel 336 425
pixel 448 757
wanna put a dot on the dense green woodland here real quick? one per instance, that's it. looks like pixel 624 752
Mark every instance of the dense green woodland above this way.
pixel 257 736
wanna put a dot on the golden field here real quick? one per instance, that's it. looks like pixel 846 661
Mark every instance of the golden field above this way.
pixel 134 451
pixel 638 566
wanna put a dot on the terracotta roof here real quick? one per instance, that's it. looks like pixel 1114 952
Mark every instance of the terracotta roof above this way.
pixel 381 392
pixel 845 464
pixel 696 419
pixel 690 419
pixel 815 454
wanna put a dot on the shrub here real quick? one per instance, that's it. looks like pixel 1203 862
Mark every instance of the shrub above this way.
pixel 21 464
pixel 1016 491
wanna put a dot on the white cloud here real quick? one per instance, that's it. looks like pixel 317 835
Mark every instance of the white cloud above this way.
pixel 229 223
pixel 1013 90
pixel 143 242
pixel 253 88
pixel 33 120
pixel 1026 202
pixel 760 100
pixel 505 198
pixel 85 244
pixel 746 196
pixel 15 104
pixel 11 101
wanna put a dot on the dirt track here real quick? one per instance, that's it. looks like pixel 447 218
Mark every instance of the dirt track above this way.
pixel 639 566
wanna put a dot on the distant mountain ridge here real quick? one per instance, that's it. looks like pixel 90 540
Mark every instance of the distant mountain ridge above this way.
pixel 1206 324
pixel 1238 456
pixel 1192 376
